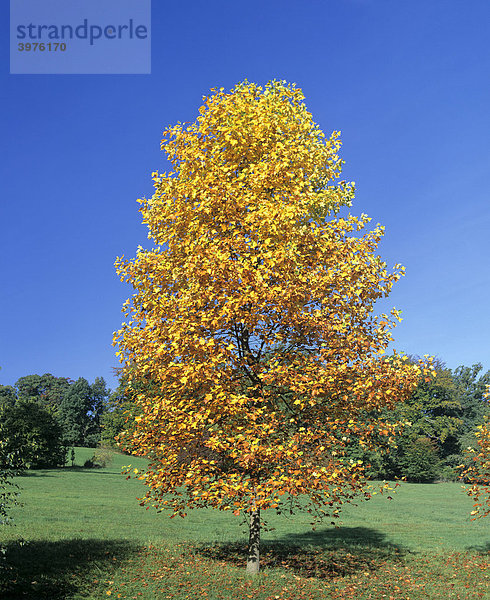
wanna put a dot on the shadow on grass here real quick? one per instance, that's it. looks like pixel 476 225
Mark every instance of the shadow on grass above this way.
pixel 36 473
pixel 358 537
pixel 57 570
pixel 91 470
pixel 75 469
pixel 482 549
pixel 320 554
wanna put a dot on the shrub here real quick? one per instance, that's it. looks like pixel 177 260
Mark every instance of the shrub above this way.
pixel 102 457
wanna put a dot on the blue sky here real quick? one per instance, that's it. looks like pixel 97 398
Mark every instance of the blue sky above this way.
pixel 407 84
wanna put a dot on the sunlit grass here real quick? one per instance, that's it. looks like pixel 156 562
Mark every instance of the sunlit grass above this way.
pixel 87 537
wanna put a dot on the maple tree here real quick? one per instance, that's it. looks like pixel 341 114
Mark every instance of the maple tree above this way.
pixel 253 317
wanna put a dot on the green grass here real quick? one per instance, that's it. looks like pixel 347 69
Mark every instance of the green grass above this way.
pixel 87 537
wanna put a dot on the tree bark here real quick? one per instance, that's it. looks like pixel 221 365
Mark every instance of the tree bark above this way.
pixel 253 558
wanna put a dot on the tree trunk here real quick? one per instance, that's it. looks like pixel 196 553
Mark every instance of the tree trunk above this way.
pixel 253 557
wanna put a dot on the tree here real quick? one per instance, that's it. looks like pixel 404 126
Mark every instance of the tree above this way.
pixel 478 473
pixel 77 406
pixel 445 412
pixel 47 390
pixel 32 434
pixel 253 316
pixel 418 460
pixel 10 462
pixel 81 409
pixel 99 394
pixel 8 395
pixel 74 412
pixel 429 420
pixel 116 421
pixel 470 388
pixel 10 466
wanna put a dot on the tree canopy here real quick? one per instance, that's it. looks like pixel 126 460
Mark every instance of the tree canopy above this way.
pixel 32 433
pixel 253 315
pixel 81 409
pixel 74 409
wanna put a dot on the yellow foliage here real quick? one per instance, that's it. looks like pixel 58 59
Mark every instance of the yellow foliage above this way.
pixel 478 473
pixel 251 330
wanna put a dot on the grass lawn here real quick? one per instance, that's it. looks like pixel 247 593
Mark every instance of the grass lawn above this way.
pixel 87 537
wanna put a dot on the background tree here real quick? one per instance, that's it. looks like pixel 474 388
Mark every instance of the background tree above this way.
pixel 418 459
pixel 81 410
pixel 47 390
pixel 430 421
pixel 426 423
pixel 10 467
pixel 32 434
pixel 118 418
pixel 478 473
pixel 10 462
pixel 471 387
pixel 76 406
pixel 99 395
pixel 437 422
pixel 253 316
pixel 74 412
pixel 8 395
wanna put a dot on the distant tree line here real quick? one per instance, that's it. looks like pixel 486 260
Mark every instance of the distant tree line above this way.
pixel 436 426
pixel 43 415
